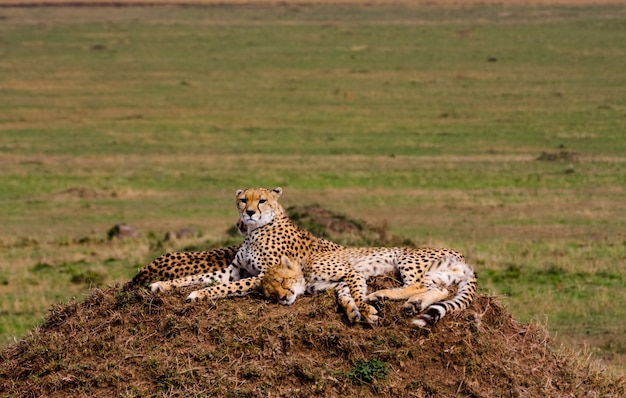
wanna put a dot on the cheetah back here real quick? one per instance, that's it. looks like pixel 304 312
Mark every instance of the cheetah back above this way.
pixel 180 264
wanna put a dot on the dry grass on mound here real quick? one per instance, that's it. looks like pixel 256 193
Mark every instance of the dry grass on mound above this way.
pixel 133 343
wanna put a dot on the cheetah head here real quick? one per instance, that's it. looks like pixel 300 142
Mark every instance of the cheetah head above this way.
pixel 283 282
pixel 258 206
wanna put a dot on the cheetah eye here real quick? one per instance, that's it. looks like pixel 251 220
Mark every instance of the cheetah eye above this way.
pixel 243 200
pixel 261 201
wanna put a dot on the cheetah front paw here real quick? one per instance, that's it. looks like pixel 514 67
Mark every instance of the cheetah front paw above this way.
pixel 159 287
pixel 353 314
pixel 370 315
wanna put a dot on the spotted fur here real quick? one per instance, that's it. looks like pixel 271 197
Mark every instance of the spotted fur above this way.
pixel 427 275
pixel 269 235
pixel 179 264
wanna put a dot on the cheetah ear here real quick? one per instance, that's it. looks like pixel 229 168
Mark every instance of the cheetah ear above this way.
pixel 285 261
pixel 277 192
pixel 290 265
pixel 238 192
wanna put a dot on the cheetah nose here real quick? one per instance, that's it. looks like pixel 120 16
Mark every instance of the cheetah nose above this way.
pixel 284 298
pixel 250 212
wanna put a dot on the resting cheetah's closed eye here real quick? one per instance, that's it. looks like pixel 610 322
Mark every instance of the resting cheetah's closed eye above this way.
pixel 427 275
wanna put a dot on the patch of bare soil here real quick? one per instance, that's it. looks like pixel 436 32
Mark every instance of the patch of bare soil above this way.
pixel 134 343
pixel 438 3
pixel 83 193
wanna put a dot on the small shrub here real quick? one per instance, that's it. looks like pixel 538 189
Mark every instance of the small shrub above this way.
pixel 367 372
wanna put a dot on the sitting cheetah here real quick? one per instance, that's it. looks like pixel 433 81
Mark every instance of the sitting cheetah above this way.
pixel 270 234
pixel 426 273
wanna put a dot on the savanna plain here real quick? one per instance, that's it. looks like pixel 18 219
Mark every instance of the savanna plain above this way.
pixel 498 130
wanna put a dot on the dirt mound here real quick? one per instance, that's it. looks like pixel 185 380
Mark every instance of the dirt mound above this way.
pixel 134 343
pixel 343 229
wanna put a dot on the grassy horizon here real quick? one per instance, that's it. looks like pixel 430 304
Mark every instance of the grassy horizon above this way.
pixel 495 130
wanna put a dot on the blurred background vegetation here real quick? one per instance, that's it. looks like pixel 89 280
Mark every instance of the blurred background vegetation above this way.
pixel 495 130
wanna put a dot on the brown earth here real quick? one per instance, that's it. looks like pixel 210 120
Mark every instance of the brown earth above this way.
pixel 134 343
pixel 283 2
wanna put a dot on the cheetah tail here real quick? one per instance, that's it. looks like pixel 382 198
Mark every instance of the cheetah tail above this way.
pixel 466 291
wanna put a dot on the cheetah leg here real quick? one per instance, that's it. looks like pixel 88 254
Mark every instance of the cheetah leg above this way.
pixel 399 293
pixel 232 289
pixel 345 300
pixel 358 288
pixel 230 273
pixel 419 302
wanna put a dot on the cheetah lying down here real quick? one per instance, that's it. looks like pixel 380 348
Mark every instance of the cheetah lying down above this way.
pixel 427 275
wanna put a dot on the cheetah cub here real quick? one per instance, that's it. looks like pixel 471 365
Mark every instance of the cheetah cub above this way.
pixel 427 274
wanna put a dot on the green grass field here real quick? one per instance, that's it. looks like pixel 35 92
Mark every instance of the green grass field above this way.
pixel 499 131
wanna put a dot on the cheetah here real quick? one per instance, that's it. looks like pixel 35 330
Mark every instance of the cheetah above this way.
pixel 427 275
pixel 174 265
pixel 269 235
pixel 179 264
